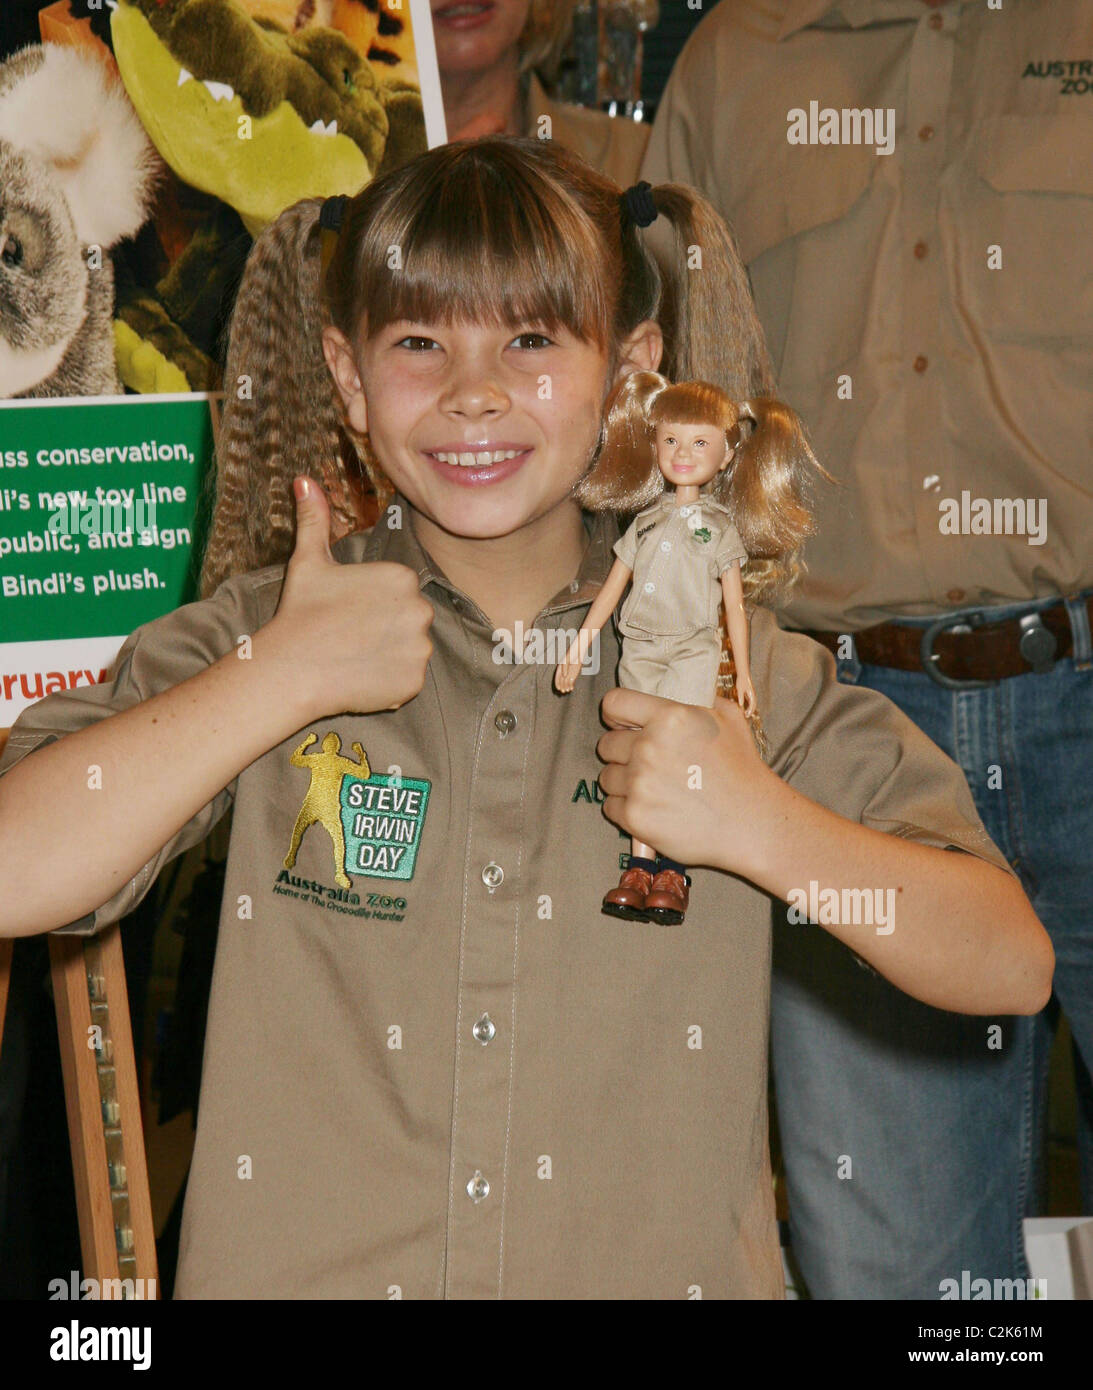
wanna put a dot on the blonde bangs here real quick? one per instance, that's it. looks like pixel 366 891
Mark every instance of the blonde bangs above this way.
pixel 482 240
pixel 693 403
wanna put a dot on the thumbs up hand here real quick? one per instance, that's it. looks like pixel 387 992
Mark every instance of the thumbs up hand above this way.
pixel 354 636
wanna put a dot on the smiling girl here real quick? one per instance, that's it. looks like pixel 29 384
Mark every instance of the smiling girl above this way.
pixel 456 1078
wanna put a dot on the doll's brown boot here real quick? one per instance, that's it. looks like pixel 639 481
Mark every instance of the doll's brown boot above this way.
pixel 628 899
pixel 667 899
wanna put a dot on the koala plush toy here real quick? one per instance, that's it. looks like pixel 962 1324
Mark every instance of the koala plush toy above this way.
pixel 77 175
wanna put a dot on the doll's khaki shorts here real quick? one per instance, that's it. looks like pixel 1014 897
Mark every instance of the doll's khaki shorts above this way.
pixel 675 668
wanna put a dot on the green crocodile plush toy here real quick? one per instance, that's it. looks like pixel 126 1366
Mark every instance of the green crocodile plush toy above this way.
pixel 257 116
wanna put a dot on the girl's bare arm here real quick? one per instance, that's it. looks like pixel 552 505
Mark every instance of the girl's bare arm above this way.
pixel 945 927
pixel 117 791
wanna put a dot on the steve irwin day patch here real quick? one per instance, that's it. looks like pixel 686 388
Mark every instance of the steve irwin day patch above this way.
pixel 372 820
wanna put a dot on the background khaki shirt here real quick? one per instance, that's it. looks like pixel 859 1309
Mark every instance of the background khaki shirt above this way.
pixel 465 1014
pixel 612 144
pixel 677 555
pixel 873 274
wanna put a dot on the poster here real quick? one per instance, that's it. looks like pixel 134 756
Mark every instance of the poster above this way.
pixel 143 154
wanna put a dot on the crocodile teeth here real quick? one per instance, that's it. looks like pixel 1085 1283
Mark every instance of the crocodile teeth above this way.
pixel 219 91
pixel 184 76
pixel 318 128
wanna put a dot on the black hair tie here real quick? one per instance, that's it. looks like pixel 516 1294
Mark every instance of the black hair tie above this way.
pixel 638 204
pixel 332 212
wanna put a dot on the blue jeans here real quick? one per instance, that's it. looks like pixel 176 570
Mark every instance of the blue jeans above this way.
pixel 943 1132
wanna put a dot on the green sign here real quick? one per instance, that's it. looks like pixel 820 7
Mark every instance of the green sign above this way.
pixel 99 512
pixel 383 818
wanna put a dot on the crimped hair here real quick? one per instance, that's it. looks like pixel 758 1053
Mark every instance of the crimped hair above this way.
pixel 502 230
pixel 280 412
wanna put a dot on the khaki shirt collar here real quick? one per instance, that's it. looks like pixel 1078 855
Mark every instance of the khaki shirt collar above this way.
pixel 857 13
pixel 399 545
pixel 666 502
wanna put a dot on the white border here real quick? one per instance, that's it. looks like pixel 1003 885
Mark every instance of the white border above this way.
pixel 138 399
pixel 428 74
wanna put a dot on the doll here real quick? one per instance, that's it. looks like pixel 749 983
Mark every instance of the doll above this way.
pixel 683 555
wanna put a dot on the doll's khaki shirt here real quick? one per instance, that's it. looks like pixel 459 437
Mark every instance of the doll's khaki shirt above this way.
pixel 930 311
pixel 458 1078
pixel 677 555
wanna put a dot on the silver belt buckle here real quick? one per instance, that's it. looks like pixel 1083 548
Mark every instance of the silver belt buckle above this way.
pixel 1037 645
pixel 958 622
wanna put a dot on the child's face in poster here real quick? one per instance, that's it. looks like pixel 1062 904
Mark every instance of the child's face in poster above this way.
pixel 690 455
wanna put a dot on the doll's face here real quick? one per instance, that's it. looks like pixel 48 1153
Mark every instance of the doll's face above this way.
pixel 690 455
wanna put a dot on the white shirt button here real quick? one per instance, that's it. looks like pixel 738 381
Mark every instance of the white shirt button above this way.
pixel 685 511
pixel 666 545
pixel 493 876
pixel 478 1189
pixel 484 1030
pixel 650 587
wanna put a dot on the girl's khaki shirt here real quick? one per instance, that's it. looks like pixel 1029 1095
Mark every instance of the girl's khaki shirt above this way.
pixel 456 1078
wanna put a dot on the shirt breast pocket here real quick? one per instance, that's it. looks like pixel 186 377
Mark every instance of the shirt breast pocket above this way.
pixel 1024 264
pixel 804 238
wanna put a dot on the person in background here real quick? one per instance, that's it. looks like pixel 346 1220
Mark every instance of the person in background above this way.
pixel 922 278
pixel 490 56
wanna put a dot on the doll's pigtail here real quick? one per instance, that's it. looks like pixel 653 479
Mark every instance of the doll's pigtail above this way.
pixel 627 477
pixel 767 490
pixel 712 331
pixel 281 413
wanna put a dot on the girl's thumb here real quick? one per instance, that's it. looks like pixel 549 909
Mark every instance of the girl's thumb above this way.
pixel 312 518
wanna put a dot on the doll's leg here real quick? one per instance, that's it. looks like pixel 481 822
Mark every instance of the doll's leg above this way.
pixel 691 678
pixel 642 667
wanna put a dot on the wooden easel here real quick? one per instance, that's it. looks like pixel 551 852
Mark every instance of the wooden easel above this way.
pixel 102 1100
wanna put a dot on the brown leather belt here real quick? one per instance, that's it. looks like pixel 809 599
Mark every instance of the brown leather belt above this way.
pixel 965 649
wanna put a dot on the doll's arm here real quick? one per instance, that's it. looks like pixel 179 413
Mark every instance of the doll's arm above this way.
pixel 736 620
pixel 614 586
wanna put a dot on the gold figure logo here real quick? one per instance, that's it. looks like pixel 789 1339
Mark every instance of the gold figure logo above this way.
pixel 323 800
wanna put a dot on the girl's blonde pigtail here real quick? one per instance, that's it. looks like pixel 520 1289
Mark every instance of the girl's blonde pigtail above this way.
pixel 627 456
pixel 281 414
pixel 767 490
